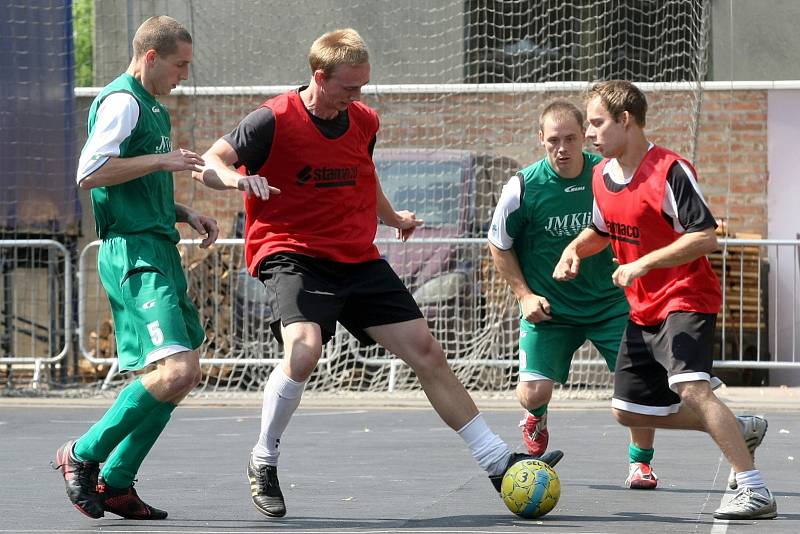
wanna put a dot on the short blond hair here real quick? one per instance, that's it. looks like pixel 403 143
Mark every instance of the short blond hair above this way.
pixel 618 96
pixel 560 109
pixel 339 47
pixel 161 34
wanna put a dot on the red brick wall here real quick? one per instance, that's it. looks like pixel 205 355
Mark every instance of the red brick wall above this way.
pixel 731 148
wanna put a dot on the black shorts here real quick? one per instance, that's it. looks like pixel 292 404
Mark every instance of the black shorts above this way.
pixel 652 359
pixel 358 295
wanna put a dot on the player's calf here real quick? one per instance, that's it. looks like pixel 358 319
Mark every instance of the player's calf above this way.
pixel 754 428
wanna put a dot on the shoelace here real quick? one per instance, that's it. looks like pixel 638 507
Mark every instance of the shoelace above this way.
pixel 87 475
pixel 263 479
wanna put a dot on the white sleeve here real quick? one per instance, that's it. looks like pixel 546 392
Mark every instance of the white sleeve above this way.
pixel 114 121
pixel 597 218
pixel 510 200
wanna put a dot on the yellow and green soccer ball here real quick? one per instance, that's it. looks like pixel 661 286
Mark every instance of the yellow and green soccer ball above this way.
pixel 530 488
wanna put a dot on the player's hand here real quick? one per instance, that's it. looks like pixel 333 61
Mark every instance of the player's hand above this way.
pixel 256 186
pixel 625 274
pixel 567 267
pixel 535 308
pixel 182 160
pixel 205 226
pixel 407 222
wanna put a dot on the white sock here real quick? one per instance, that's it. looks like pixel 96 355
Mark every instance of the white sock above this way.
pixel 488 449
pixel 281 399
pixel 751 479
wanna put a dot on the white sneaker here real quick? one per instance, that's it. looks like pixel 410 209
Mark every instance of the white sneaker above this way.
pixel 641 476
pixel 748 504
pixel 754 428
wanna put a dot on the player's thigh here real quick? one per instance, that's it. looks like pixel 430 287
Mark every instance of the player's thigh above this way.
pixel 606 336
pixel 685 343
pixel 640 380
pixel 411 341
pixel 376 297
pixel 152 315
pixel 546 350
pixel 302 290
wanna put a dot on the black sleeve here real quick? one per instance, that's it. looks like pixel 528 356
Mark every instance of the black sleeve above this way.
pixel 693 212
pixel 597 230
pixel 252 139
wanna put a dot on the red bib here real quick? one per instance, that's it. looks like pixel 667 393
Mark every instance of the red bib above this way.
pixel 327 205
pixel 636 225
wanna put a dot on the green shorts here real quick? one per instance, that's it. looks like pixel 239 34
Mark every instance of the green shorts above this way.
pixel 145 284
pixel 546 348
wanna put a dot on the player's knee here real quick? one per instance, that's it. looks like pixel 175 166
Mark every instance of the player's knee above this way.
pixel 625 418
pixel 693 394
pixel 534 394
pixel 180 377
pixel 430 357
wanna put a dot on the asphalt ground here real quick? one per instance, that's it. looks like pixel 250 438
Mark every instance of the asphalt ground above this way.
pixel 364 468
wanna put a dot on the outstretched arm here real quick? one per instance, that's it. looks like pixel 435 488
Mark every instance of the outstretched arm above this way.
pixel 588 243
pixel 100 164
pixel 217 173
pixel 685 249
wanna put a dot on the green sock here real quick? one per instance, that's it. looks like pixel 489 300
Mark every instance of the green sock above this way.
pixel 540 411
pixel 636 454
pixel 132 405
pixel 123 464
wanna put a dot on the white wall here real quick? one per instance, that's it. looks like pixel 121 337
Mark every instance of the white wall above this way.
pixel 783 203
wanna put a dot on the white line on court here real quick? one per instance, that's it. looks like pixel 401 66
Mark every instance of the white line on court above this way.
pixel 720 526
pixel 262 531
pixel 220 418
pixel 258 416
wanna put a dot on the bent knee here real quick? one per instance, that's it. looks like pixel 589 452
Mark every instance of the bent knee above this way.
pixel 626 418
pixel 429 357
pixel 535 393
pixel 181 377
pixel 694 393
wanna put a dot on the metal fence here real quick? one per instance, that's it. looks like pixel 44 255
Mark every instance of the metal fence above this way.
pixel 468 307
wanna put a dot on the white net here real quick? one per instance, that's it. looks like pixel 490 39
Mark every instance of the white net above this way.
pixel 458 86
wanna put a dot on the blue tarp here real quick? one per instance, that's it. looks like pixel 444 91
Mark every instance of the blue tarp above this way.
pixel 37 119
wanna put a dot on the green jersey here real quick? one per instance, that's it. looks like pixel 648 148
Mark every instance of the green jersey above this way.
pixel 135 125
pixel 538 215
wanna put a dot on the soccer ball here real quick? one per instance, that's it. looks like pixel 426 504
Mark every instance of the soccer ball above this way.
pixel 530 488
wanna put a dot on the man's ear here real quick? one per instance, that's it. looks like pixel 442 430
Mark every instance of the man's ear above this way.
pixel 319 76
pixel 150 55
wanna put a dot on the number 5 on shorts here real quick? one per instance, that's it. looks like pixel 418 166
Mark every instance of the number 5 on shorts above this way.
pixel 156 335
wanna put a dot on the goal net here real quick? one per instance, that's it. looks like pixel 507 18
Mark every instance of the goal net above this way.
pixel 458 86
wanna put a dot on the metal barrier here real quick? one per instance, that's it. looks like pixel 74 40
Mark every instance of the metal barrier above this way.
pixel 759 317
pixel 757 326
pixel 26 255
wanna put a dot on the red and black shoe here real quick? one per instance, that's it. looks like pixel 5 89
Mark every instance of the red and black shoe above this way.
pixel 126 503
pixel 535 434
pixel 80 478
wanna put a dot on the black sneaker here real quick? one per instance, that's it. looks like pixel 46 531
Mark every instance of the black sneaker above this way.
pixel 266 490
pixel 125 502
pixel 81 481
pixel 551 458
